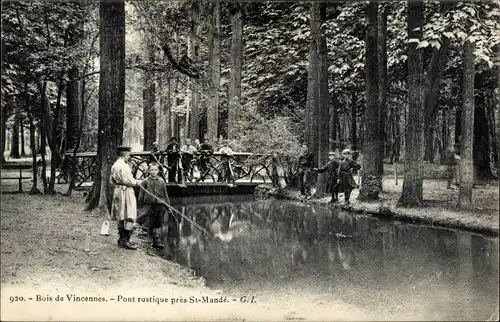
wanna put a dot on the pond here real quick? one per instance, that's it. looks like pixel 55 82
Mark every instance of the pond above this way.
pixel 278 248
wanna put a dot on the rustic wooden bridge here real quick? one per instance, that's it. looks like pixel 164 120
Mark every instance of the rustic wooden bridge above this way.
pixel 198 173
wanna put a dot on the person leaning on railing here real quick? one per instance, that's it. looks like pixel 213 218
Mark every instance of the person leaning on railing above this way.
pixel 188 150
pixel 206 149
pixel 227 152
pixel 172 159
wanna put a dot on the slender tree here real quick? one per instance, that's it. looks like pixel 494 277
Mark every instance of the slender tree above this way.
pixel 236 55
pixel 213 107
pixel 111 97
pixel 194 34
pixel 414 147
pixel 383 87
pixel 467 132
pixel 149 111
pixel 14 147
pixel 371 179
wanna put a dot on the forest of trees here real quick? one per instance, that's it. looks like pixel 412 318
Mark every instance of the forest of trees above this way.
pixel 405 81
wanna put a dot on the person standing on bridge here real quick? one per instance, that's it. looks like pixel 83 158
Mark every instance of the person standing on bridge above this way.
pixel 124 205
pixel 173 159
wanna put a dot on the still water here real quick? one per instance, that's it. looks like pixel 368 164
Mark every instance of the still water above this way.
pixel 280 248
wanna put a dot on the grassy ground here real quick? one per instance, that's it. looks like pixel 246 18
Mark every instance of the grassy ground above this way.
pixel 440 205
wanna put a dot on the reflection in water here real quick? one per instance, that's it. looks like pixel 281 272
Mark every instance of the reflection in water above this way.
pixel 452 274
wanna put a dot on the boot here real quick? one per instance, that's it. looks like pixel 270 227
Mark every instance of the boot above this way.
pixel 347 196
pixel 121 238
pixel 127 244
pixel 157 243
pixel 156 239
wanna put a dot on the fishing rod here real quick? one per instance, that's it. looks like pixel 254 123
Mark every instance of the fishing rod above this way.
pixel 175 210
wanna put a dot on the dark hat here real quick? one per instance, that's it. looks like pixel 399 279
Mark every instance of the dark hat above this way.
pixel 123 148
pixel 173 138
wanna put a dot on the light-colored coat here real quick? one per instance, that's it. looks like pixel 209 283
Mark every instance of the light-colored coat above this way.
pixel 124 206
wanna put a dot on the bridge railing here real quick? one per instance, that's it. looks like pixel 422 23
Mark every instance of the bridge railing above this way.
pixel 199 167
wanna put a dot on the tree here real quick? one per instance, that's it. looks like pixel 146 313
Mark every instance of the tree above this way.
pixel 236 55
pixel 371 178
pixel 213 106
pixel 14 147
pixel 466 144
pixel 383 87
pixel 413 179
pixel 149 111
pixel 193 49
pixel 111 97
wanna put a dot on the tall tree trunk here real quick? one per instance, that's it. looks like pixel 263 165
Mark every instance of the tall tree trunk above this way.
pixel 467 135
pixel 431 92
pixel 14 147
pixel 43 134
pixel 312 89
pixel 481 147
pixel 382 80
pixel 21 130
pixel 235 78
pixel 4 131
pixel 354 125
pixel 323 101
pixel 371 178
pixel 111 97
pixel 414 152
pixel 213 107
pixel 55 145
pixel 193 54
pixel 149 111
pixel 73 110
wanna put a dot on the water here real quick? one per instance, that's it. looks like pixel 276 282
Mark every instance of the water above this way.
pixel 281 249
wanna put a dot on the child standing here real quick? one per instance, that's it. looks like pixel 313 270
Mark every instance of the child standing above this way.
pixel 332 168
pixel 346 180
pixel 153 207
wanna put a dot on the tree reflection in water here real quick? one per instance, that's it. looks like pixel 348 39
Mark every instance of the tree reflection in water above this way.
pixel 282 242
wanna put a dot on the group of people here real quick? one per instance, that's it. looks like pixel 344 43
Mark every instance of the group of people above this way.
pixel 339 168
pixel 188 157
pixel 153 199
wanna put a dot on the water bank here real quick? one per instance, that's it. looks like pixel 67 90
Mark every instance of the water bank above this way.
pixel 439 210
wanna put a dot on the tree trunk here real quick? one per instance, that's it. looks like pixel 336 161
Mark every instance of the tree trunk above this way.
pixel 431 92
pixel 21 130
pixel 414 152
pixel 213 107
pixel 55 146
pixel 73 108
pixel 14 146
pixel 149 111
pixel 354 125
pixel 312 89
pixel 193 54
pixel 467 135
pixel 235 78
pixel 4 131
pixel 323 101
pixel 111 97
pixel 481 148
pixel 382 80
pixel 371 178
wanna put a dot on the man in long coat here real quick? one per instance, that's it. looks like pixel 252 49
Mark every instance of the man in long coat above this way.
pixel 124 206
